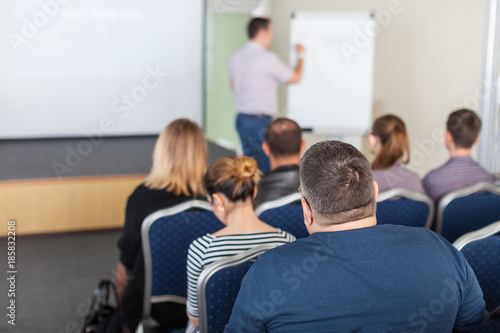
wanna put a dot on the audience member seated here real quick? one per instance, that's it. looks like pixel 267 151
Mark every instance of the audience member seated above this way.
pixel 460 171
pixel 231 185
pixel 351 275
pixel 389 142
pixel 179 164
pixel 283 146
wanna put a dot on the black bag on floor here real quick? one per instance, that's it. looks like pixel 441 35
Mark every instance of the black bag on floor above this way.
pixel 101 310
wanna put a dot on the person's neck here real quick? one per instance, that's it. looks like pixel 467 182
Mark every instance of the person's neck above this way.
pixel 367 222
pixel 276 162
pixel 458 152
pixel 242 218
pixel 260 42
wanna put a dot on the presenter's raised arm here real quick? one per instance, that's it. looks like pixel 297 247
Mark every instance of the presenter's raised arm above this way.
pixel 297 75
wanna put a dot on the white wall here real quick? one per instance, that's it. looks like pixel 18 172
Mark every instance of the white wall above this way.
pixel 428 61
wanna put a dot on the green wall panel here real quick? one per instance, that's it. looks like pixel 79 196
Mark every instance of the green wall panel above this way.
pixel 225 34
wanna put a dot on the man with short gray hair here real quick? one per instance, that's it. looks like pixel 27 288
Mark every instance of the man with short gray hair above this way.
pixel 351 275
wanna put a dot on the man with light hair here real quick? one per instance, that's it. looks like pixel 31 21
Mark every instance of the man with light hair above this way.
pixel 351 275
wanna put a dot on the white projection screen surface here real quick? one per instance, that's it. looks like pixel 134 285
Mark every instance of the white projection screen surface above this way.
pixel 110 67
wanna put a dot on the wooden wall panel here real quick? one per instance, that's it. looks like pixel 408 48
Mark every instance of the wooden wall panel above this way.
pixel 75 204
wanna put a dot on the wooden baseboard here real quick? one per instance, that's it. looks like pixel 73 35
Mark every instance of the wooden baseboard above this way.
pixel 67 205
pixel 64 234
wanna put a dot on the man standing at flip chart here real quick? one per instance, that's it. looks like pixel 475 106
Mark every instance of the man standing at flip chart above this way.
pixel 255 74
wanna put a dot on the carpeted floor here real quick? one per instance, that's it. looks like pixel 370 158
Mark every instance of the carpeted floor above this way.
pixel 56 277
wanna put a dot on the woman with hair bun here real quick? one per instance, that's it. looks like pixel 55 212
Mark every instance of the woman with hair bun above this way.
pixel 231 185
pixel 389 142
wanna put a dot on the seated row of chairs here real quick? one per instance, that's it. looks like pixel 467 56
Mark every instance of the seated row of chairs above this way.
pixel 468 209
pixel 458 212
pixel 481 248
pixel 165 263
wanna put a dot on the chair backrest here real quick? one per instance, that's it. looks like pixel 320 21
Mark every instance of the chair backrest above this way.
pixel 166 236
pixel 468 209
pixel 218 286
pixel 481 248
pixel 284 213
pixel 403 207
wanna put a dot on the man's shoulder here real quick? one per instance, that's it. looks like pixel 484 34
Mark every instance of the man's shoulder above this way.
pixel 410 231
pixel 278 183
pixel 407 231
pixel 238 54
pixel 290 250
pixel 456 167
pixel 284 174
pixel 437 172
pixel 391 242
pixel 417 238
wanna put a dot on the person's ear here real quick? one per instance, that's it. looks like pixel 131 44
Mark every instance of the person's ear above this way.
pixel 477 140
pixel 375 190
pixel 449 140
pixel 255 190
pixel 218 202
pixel 374 143
pixel 302 146
pixel 308 217
pixel 266 149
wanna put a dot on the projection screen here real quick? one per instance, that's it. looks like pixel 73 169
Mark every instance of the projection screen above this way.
pixel 90 67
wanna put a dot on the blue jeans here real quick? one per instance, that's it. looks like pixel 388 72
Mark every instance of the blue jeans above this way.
pixel 252 134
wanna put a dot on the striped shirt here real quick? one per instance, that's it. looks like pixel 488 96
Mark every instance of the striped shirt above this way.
pixel 207 249
pixel 457 173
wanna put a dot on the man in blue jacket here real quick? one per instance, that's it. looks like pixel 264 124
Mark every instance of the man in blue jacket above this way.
pixel 351 275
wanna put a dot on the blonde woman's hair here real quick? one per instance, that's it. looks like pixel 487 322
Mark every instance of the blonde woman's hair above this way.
pixel 236 178
pixel 179 159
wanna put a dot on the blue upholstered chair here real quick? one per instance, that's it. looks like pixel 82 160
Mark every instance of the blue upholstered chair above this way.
pixel 403 207
pixel 218 286
pixel 468 209
pixel 481 248
pixel 166 236
pixel 284 213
